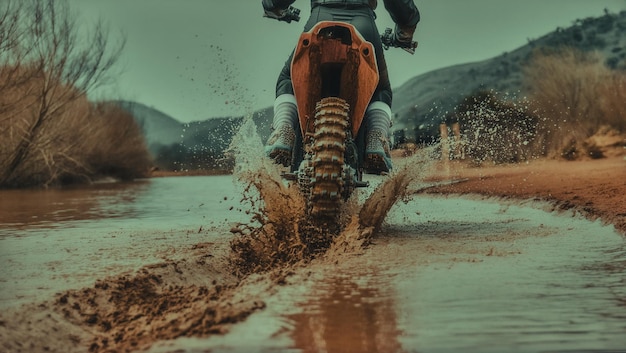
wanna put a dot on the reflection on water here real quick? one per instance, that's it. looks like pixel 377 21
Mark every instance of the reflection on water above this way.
pixel 52 240
pixel 151 203
pixel 348 317
pixel 452 275
pixel 522 280
pixel 51 207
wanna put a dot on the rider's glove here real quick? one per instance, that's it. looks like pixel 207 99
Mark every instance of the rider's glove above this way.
pixel 403 36
pixel 277 13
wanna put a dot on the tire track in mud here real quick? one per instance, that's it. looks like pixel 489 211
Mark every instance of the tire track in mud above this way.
pixel 203 295
pixel 127 313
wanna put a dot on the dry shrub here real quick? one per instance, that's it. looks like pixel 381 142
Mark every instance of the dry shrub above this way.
pixel 73 142
pixel 82 142
pixel 576 96
pixel 49 132
pixel 612 94
pixel 117 146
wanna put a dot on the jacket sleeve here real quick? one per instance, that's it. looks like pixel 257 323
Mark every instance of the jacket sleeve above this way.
pixel 270 5
pixel 403 12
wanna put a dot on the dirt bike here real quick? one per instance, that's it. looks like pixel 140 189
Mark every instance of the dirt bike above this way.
pixel 334 75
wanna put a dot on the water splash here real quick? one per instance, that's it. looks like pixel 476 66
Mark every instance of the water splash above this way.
pixel 367 218
pixel 279 233
pixel 273 236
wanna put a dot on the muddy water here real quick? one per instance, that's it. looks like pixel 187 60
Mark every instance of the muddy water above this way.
pixel 158 203
pixel 57 239
pixel 442 275
pixel 448 275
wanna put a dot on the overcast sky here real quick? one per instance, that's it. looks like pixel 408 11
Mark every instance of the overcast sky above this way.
pixel 196 59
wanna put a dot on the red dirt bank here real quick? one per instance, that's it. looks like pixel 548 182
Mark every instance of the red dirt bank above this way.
pixel 596 188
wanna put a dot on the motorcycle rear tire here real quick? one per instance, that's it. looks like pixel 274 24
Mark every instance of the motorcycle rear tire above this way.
pixel 328 151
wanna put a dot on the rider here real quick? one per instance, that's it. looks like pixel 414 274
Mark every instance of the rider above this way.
pixel 360 13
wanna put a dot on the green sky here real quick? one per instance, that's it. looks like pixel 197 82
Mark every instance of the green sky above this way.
pixel 195 59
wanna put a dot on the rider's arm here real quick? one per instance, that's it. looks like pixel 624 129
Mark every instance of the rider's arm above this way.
pixel 403 12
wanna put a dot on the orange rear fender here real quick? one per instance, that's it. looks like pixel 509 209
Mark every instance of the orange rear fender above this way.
pixel 357 76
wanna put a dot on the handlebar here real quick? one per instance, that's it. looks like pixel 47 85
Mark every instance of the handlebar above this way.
pixel 289 14
pixel 389 40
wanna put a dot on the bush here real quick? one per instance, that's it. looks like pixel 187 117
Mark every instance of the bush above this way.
pixel 81 142
pixel 118 147
pixel 49 132
pixel 576 95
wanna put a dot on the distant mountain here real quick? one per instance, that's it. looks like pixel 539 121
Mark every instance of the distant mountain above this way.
pixel 196 145
pixel 158 128
pixel 423 102
pixel 420 104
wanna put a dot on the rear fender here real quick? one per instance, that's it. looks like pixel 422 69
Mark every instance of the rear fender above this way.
pixel 333 59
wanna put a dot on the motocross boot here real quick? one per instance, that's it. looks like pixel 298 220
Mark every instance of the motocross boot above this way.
pixel 377 149
pixel 280 143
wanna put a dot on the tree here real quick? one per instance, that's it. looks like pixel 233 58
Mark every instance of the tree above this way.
pixel 13 52
pixel 48 63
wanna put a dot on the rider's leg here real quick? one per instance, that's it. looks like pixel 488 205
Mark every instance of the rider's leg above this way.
pixel 377 141
pixel 280 143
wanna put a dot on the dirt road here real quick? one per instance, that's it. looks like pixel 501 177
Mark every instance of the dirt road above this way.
pixel 596 188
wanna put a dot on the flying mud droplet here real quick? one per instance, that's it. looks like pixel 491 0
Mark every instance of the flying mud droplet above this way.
pixel 279 233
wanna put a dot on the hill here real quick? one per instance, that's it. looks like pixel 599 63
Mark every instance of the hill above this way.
pixel 420 104
pixel 423 102
pixel 195 145
pixel 158 128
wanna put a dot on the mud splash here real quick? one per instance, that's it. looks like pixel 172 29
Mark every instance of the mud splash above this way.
pixel 272 237
pixel 280 233
pixel 367 217
pixel 216 285
pixel 126 313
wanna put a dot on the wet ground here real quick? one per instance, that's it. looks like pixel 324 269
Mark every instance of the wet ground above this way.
pixel 54 240
pixel 149 266
pixel 450 276
pixel 442 275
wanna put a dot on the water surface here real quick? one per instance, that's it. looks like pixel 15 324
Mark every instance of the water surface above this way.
pixel 444 275
pixel 157 203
